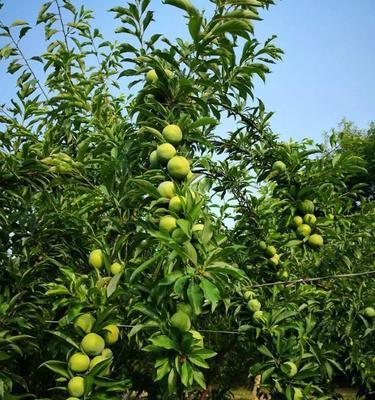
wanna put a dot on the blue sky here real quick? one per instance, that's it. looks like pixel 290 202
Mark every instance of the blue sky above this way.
pixel 327 72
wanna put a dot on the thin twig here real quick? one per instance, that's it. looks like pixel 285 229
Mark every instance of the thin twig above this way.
pixel 62 24
pixel 26 61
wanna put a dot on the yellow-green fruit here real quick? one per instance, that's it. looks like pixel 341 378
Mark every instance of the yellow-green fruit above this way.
pixel 181 320
pixel 154 162
pixel 279 166
pixel 79 362
pixel 307 207
pixel 111 334
pixel 297 221
pixel 298 394
pixel 172 134
pixel 175 204
pixel 309 219
pixel 315 240
pixel 84 323
pixel 96 360
pixel 151 76
pixel 92 344
pixel 197 230
pixel 262 245
pixel 274 260
pixel 303 230
pixel 258 316
pixel 167 189
pixel 369 312
pixel 96 258
pixel 76 386
pixel 248 295
pixel 107 353
pixel 291 368
pixel 179 236
pixel 116 268
pixel 283 274
pixel 169 73
pixel 167 223
pixel 165 152
pixel 254 305
pixel 186 308
pixel 270 251
pixel 178 167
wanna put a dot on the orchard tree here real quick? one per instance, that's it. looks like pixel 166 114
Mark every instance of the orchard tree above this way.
pixel 120 272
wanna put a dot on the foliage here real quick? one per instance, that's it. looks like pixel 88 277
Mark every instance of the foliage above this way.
pixel 75 176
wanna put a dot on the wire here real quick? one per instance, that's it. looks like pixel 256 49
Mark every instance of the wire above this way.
pixel 296 281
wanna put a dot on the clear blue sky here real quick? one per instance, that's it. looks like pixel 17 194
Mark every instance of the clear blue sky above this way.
pixel 328 71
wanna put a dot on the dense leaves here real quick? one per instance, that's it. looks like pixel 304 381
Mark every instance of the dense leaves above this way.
pixel 76 175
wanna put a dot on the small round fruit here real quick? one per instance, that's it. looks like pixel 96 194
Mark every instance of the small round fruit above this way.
pixel 172 134
pixel 179 236
pixel 303 230
pixel 76 386
pixel 111 334
pixel 175 204
pixel 107 353
pixel 92 344
pixel 248 295
pixel 278 166
pixel 165 152
pixel 178 167
pixel 258 316
pixel 262 245
pixel 186 308
pixel 307 207
pixel 97 360
pixel 181 320
pixel 84 323
pixel 309 219
pixel 254 305
pixel 167 223
pixel 270 251
pixel 291 368
pixel 167 189
pixel 154 162
pixel 79 362
pixel 116 268
pixel 96 258
pixel 151 76
pixel 297 221
pixel 283 275
pixel 169 73
pixel 315 240
pixel 298 394
pixel 369 312
pixel 197 230
pixel 274 260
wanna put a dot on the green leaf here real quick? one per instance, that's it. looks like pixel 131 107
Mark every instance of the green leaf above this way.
pixel 185 5
pixel 204 121
pixel 195 297
pixel 113 283
pixel 59 367
pixel 186 374
pixel 144 266
pixel 163 341
pixel 19 22
pixel 211 293
pixel 66 338
pixel 147 187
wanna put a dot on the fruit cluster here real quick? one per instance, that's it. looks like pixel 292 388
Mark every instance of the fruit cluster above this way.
pixel 271 253
pixel 94 358
pixel 254 306
pixel 305 224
